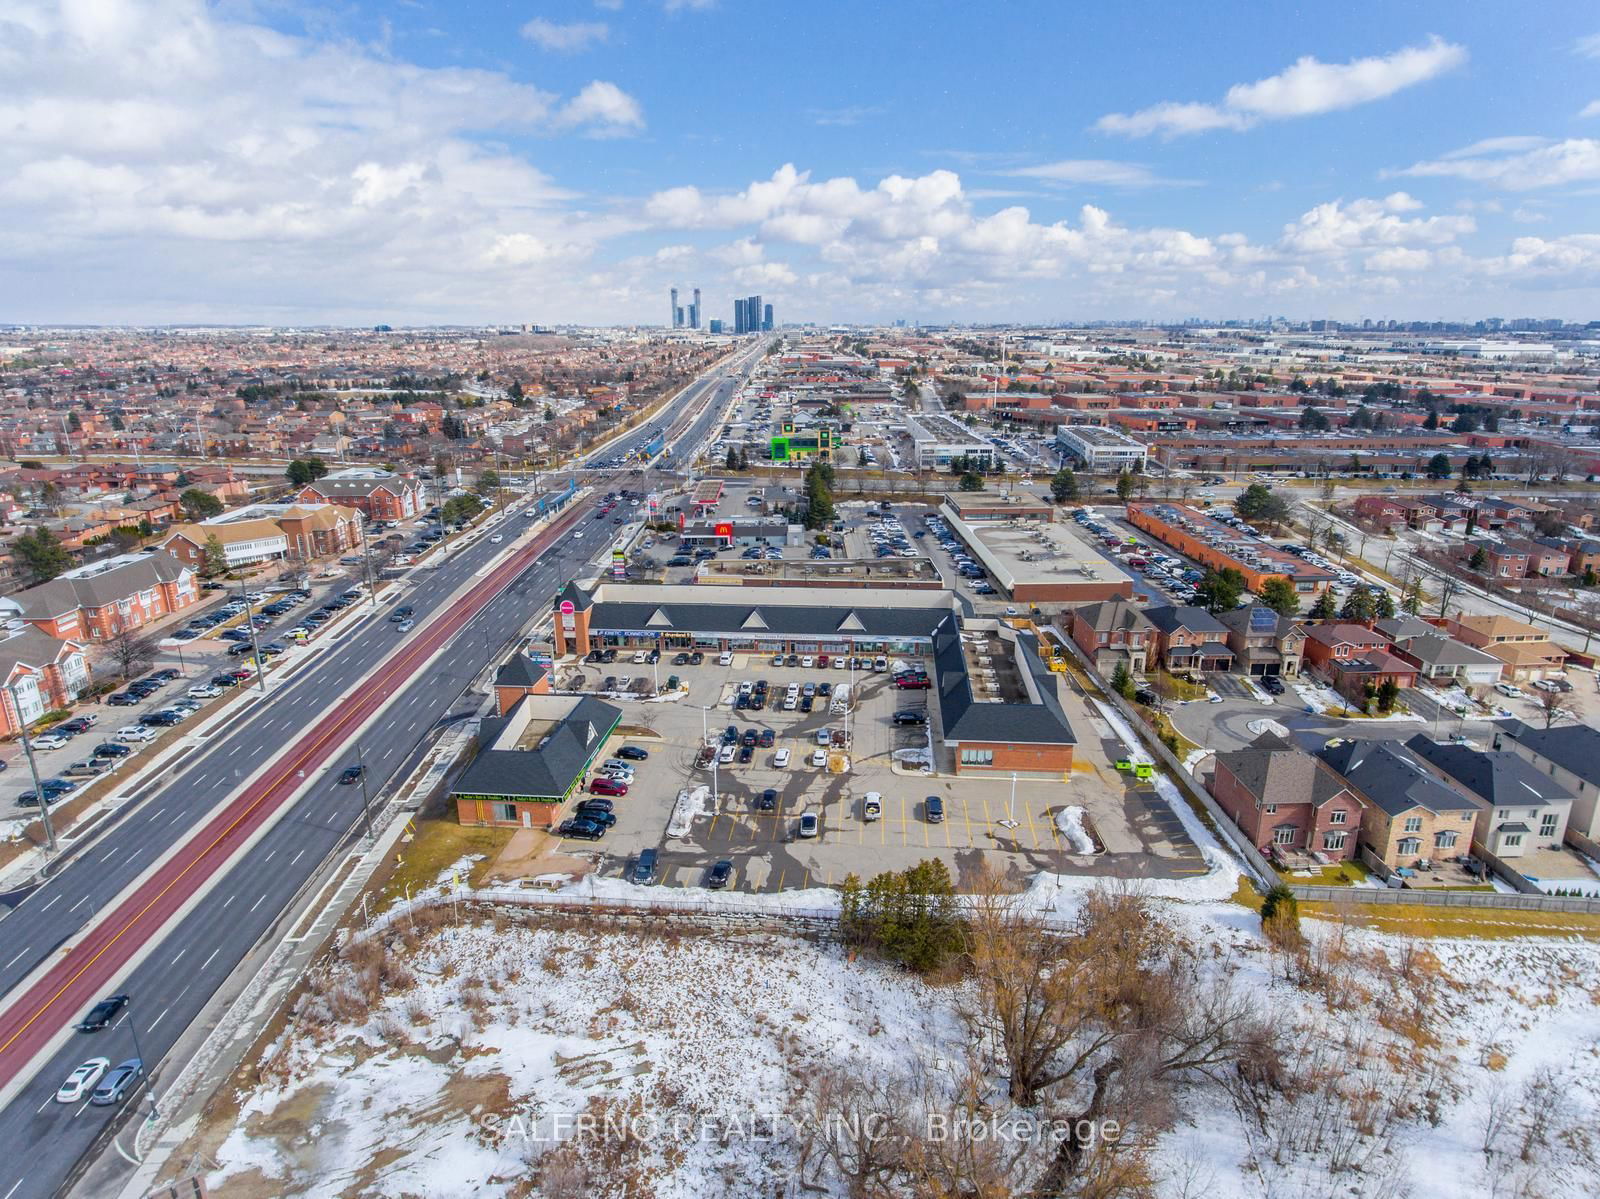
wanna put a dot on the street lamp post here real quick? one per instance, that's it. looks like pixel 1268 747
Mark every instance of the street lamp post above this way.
pixel 366 812
pixel 366 561
pixel 33 769
pixel 133 1027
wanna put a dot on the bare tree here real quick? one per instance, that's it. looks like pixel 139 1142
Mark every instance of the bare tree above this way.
pixel 131 654
pixel 1554 706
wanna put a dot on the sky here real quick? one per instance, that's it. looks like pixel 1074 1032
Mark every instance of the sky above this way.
pixel 456 162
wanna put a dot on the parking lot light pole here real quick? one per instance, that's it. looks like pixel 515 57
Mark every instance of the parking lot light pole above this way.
pixel 33 769
pixel 133 1027
pixel 255 642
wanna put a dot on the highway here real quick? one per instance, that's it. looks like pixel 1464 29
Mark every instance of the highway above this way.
pixel 171 955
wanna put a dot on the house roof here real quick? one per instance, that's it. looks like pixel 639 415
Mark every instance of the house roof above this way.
pixel 1276 767
pixel 520 671
pixel 1344 633
pixel 545 773
pixel 1500 777
pixel 1111 615
pixel 966 719
pixel 1574 747
pixel 1435 649
pixel 1169 618
pixel 1498 626
pixel 31 648
pixel 1259 620
pixel 227 532
pixel 1399 628
pixel 1392 778
pixel 89 587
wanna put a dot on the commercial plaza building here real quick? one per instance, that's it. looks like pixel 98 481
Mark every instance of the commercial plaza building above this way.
pixel 937 440
pixel 1211 543
pixel 1101 449
pixel 995 696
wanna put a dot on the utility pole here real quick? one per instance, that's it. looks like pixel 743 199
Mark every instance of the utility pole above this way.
pixel 133 1027
pixel 33 769
pixel 255 642
pixel 366 559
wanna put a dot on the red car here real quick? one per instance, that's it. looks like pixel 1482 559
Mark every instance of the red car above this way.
pixel 822 661
pixel 913 682
pixel 604 786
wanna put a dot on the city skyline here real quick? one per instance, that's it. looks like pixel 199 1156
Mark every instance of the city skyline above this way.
pixel 171 163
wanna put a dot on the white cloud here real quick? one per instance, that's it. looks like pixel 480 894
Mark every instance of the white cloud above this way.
pixel 565 37
pixel 1591 109
pixel 603 109
pixel 1307 88
pixel 688 5
pixel 1589 46
pixel 1091 171
pixel 1516 167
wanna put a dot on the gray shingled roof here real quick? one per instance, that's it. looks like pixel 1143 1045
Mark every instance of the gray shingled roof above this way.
pixel 1501 777
pixel 1391 777
pixel 1110 615
pixel 520 671
pixel 964 719
pixel 1574 747
pixel 1436 649
pixel 1171 617
pixel 546 773
pixel 66 594
pixel 1276 770
pixel 29 647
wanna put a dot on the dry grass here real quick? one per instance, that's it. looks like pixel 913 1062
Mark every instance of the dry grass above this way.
pixel 1489 924
pixel 438 845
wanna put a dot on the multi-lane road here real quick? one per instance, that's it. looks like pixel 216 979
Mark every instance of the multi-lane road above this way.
pixel 177 893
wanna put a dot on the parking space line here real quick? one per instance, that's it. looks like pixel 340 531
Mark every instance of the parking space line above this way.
pixel 1033 829
pixel 966 815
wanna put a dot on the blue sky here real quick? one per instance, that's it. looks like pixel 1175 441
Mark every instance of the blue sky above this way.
pixel 424 161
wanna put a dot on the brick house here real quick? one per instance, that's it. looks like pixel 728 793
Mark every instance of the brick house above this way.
pixel 98 601
pixel 38 674
pixel 1527 651
pixel 1411 815
pixel 1112 632
pixel 1190 638
pixel 1382 510
pixel 1352 657
pixel 1264 641
pixel 377 495
pixel 1526 808
pixel 1505 561
pixel 1287 801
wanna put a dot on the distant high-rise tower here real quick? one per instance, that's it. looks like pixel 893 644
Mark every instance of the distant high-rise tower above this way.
pixel 739 310
pixel 694 311
pixel 766 319
pixel 677 313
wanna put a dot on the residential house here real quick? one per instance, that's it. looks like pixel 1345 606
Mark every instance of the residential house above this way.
pixel 38 674
pixel 376 494
pixel 1190 638
pixel 1354 658
pixel 1504 560
pixel 98 601
pixel 1411 815
pixel 1527 651
pixel 1569 755
pixel 1264 642
pixel 1525 808
pixel 1112 632
pixel 1287 801
pixel 1547 556
pixel 1444 662
pixel 1382 510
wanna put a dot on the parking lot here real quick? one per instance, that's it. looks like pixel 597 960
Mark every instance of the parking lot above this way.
pixel 755 822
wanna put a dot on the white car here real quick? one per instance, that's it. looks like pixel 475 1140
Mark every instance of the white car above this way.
pixel 49 741
pixel 781 759
pixel 205 691
pixel 1510 690
pixel 496 539
pixel 725 754
pixel 81 1081
pixel 819 758
pixel 808 661
pixel 135 732
pixel 577 535
pixel 726 658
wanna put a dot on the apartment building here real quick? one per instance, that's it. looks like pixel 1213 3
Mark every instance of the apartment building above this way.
pixel 103 599
pixel 376 494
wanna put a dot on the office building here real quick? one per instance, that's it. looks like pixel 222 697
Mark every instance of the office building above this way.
pixel 766 319
pixel 1100 449
pixel 747 315
pixel 677 313
pixel 715 325
pixel 694 310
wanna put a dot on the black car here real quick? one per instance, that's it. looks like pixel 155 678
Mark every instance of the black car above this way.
pixel 653 656
pixel 720 875
pixel 696 658
pixel 746 752
pixel 730 735
pixel 767 801
pixel 165 676
pixel 633 753
pixel 609 656
pixel 351 774
pixel 111 749
pixel 603 819
pixel 1272 685
pixel 73 727
pixel 609 683
pixel 224 680
pixel 103 1013
pixel 581 829
pixel 910 716
pixel 644 867
pixel 593 656
pixel 160 720
pixel 596 804
pixel 1145 696
pixel 122 700
pixel 750 737
pixel 680 659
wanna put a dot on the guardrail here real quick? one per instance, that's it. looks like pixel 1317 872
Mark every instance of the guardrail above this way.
pixel 1388 896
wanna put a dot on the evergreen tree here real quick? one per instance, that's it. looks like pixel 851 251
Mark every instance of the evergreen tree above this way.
pixel 1279 594
pixel 1326 607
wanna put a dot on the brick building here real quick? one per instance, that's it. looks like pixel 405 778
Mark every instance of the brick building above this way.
pixel 98 601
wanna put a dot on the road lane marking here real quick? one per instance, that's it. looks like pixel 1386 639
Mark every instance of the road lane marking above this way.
pixel 157 1020
pixel 214 953
pixel 51 904
pixel 19 954
pixel 181 952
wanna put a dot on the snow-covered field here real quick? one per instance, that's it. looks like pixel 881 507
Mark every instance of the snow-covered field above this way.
pixel 465 1065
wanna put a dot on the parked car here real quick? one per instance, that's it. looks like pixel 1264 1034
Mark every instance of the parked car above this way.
pixel 111 749
pixel 720 875
pixel 644 868
pixel 581 829
pixel 768 799
pixel 585 806
pixel 607 786
pixel 633 753
pixel 933 809
pixel 81 1081
pixel 134 732
pixel 810 826
pixel 117 1083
